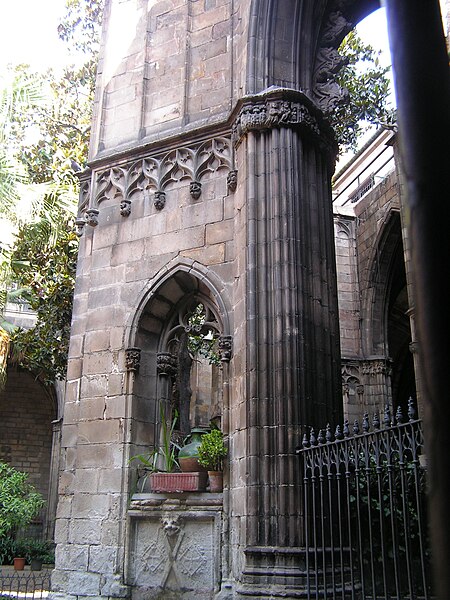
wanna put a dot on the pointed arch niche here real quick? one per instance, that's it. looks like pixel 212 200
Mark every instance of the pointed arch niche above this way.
pixel 180 355
pixel 386 316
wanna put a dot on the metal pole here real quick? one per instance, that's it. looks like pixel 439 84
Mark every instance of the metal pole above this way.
pixel 422 86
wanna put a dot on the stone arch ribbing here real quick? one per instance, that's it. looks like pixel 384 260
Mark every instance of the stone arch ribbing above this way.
pixel 201 273
pixel 286 41
pixel 375 303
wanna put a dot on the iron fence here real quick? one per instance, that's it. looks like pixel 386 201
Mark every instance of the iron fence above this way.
pixel 365 505
pixel 24 584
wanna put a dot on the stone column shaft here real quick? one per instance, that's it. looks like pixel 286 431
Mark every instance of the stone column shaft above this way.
pixel 293 379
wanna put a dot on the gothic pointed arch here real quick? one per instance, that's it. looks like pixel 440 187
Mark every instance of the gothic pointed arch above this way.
pixel 178 345
pixel 385 310
pixel 298 42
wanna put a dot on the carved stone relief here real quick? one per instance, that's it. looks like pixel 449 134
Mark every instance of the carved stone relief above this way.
pixel 154 174
pixel 174 552
pixel 327 92
pixel 280 107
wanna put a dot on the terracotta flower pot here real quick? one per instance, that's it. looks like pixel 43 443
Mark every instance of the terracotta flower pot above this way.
pixel 177 482
pixel 215 481
pixel 19 564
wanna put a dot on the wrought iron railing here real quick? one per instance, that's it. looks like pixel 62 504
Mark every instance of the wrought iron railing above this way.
pixel 24 584
pixel 365 505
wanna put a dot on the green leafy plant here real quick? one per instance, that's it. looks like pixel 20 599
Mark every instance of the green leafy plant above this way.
pixel 164 456
pixel 7 550
pixel 19 500
pixel 212 450
pixel 33 549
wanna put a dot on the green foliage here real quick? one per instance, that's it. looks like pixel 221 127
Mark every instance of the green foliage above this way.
pixel 369 86
pixel 212 450
pixel 19 500
pixel 201 341
pixel 50 278
pixel 45 139
pixel 20 92
pixel 33 549
pixel 81 25
pixel 7 550
pixel 164 456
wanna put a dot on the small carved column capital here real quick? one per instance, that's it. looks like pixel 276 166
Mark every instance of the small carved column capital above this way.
pixel 133 359
pixel 166 364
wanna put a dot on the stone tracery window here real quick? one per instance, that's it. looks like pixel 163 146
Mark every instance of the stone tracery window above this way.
pixel 191 361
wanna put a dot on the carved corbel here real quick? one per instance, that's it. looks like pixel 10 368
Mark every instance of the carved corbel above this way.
pixel 125 207
pixel 195 189
pixel 92 217
pixel 159 201
pixel 225 347
pixel 232 180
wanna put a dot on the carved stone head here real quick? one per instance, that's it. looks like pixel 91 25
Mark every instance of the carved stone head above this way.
pixel 195 189
pixel 232 180
pixel 125 207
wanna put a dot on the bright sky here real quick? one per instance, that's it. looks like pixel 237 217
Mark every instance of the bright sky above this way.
pixel 28 33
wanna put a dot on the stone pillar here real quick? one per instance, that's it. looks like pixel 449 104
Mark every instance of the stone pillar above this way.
pixel 292 330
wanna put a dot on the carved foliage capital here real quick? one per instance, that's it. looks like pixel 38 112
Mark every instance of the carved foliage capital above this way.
pixel 166 364
pixel 298 112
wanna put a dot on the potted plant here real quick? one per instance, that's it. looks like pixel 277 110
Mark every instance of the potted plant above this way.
pixel 161 468
pixel 20 503
pixel 211 453
pixel 36 552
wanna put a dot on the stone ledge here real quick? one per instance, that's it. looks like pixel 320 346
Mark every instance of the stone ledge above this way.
pixel 174 501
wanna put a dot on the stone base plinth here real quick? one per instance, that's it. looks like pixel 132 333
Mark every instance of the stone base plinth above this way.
pixel 175 543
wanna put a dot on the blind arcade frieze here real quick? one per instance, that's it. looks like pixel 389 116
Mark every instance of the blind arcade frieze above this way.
pixel 151 175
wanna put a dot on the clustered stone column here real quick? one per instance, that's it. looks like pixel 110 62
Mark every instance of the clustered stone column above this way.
pixel 293 377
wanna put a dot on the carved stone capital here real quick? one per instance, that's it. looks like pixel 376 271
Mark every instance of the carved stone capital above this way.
pixel 133 359
pixel 166 364
pixel 279 107
pixel 377 366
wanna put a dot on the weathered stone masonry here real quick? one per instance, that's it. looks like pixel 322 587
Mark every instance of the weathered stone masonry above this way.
pixel 208 180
